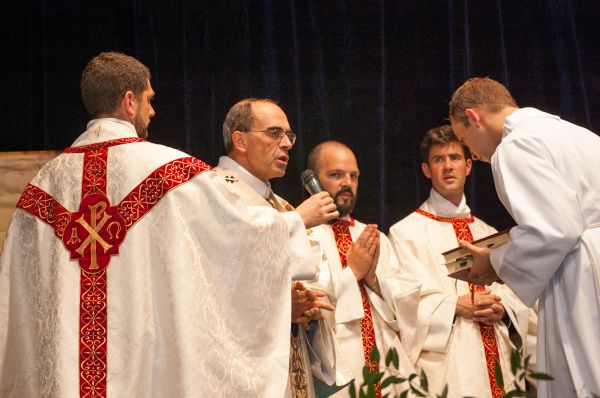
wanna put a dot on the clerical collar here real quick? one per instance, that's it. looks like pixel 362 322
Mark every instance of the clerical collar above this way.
pixel 260 187
pixel 105 129
pixel 442 207
pixel 347 219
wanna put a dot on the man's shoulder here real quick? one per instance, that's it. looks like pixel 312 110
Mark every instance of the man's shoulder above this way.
pixel 405 224
pixel 479 222
pixel 359 224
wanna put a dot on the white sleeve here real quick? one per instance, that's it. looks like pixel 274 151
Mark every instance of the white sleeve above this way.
pixel 549 222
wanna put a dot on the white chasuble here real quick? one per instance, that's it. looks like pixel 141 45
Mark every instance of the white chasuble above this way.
pixel 305 255
pixel 546 175
pixel 393 315
pixel 138 277
pixel 449 348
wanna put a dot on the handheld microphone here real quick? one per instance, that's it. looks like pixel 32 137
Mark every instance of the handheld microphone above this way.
pixel 311 183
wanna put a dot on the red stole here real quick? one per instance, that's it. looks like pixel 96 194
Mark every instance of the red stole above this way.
pixel 94 233
pixel 343 241
pixel 488 335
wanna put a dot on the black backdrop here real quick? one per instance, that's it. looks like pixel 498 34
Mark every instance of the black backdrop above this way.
pixel 373 74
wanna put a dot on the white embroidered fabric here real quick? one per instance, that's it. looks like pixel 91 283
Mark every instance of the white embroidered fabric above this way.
pixel 198 299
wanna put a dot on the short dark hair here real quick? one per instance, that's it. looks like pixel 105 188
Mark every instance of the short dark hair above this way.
pixel 441 135
pixel 107 77
pixel 480 92
pixel 240 118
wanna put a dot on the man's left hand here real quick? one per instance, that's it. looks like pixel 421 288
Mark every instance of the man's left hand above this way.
pixel 306 305
pixel 488 309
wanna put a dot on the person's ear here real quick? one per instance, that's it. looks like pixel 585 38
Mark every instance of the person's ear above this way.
pixel 469 166
pixel 238 140
pixel 474 116
pixel 128 103
pixel 425 169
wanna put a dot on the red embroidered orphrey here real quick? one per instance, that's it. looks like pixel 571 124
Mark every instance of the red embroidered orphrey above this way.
pixel 94 233
pixel 343 241
pixel 488 334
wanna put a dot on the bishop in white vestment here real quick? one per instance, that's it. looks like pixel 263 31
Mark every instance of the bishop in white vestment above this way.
pixel 257 138
pixel 305 255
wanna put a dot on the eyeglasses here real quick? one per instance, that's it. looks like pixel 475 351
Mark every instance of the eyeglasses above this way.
pixel 277 133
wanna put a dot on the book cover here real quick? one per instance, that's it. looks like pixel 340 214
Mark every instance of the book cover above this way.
pixel 458 261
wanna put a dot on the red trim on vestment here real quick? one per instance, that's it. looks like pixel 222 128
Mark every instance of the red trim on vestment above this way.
pixel 143 197
pixel 43 206
pixel 343 241
pixel 488 334
pixel 93 334
pixel 93 235
pixel 94 172
pixel 103 144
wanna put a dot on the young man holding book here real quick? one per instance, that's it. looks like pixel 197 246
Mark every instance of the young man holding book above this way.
pixel 463 329
pixel 546 175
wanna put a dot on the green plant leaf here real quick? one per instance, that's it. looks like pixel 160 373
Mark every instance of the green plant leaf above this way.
pixel 366 373
pixel 416 391
pixel 352 390
pixel 527 359
pixel 498 374
pixel 377 377
pixel 389 356
pixel 540 376
pixel 516 393
pixel 371 392
pixel 395 359
pixel 424 383
pixel 391 380
pixel 444 392
pixel 515 362
pixel 374 355
pixel 404 394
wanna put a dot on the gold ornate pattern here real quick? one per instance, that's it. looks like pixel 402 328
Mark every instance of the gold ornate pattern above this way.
pixel 488 334
pixel 143 197
pixel 298 381
pixel 94 234
pixel 343 240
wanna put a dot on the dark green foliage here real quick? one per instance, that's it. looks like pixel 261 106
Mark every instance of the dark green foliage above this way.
pixel 419 385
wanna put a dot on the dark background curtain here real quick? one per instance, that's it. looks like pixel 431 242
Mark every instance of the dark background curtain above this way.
pixel 373 74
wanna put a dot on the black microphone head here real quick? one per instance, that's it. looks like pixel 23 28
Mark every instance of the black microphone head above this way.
pixel 306 176
pixel 311 182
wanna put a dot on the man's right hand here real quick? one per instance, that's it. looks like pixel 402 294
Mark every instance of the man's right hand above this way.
pixel 362 253
pixel 317 209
